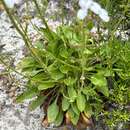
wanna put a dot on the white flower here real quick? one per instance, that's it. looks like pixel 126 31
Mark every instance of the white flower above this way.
pixel 95 7
pixel 104 15
pixel 85 4
pixel 10 3
pixel 82 4
pixel 82 14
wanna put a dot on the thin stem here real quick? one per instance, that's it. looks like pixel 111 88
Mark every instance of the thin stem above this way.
pixel 11 68
pixel 63 62
pixel 119 22
pixel 25 37
pixel 14 23
pixel 4 73
pixel 42 17
pixel 24 32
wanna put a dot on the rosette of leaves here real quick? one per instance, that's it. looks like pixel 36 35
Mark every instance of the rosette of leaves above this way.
pixel 73 77
pixel 71 82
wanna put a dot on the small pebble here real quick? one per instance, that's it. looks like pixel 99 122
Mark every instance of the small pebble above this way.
pixel 11 94
pixel 36 116
pixel 1 108
pixel 13 89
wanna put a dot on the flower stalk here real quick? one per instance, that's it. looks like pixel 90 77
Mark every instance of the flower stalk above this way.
pixel 24 36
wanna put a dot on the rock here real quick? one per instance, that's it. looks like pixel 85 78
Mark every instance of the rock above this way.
pixel 11 94
pixel 36 116
pixel 13 116
pixel 13 89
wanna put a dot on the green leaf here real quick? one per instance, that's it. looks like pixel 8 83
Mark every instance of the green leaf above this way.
pixel 72 93
pixel 27 62
pixel 88 110
pixel 59 118
pixel 75 108
pixel 81 101
pixel 40 77
pixel 108 73
pixel 31 71
pixel 36 103
pixel 45 85
pixel 55 72
pixel 52 112
pixel 49 34
pixel 64 69
pixel 90 25
pixel 64 53
pixel 39 45
pixel 99 80
pixel 65 104
pixel 89 91
pixel 54 46
pixel 28 94
pixel 56 75
pixel 74 117
pixel 53 66
pixel 87 52
pixel 101 84
pixel 69 81
pixel 104 90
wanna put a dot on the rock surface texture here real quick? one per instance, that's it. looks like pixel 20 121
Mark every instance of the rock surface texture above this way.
pixel 14 116
pixel 17 116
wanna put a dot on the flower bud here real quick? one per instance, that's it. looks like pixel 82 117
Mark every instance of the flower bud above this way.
pixel 95 7
pixel 82 14
pixel 9 3
pixel 104 15
pixel 85 4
